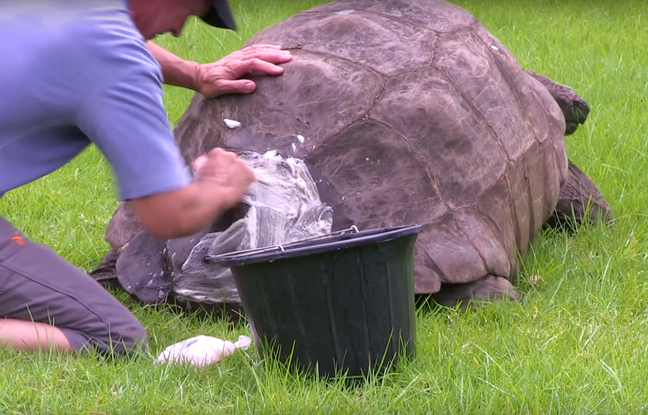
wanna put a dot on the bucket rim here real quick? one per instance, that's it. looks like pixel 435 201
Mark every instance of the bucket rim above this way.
pixel 331 242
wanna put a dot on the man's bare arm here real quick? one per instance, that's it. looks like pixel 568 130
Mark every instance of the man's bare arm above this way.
pixel 175 70
pixel 183 212
pixel 221 180
pixel 223 76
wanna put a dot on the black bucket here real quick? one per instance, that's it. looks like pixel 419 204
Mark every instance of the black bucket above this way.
pixel 340 304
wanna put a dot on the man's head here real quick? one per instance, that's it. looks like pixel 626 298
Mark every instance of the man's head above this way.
pixel 155 17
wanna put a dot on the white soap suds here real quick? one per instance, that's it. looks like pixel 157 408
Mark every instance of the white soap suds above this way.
pixel 231 123
pixel 283 206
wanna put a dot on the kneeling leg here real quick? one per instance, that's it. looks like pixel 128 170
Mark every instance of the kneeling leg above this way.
pixel 46 302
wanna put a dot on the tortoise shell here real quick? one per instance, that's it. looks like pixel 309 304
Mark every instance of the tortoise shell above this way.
pixel 405 112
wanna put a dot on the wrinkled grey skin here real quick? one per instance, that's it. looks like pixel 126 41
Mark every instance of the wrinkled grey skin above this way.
pixel 412 112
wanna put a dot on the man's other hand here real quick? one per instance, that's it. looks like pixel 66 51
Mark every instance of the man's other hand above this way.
pixel 223 76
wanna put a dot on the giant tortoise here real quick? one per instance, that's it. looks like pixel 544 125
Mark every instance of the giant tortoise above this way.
pixel 405 112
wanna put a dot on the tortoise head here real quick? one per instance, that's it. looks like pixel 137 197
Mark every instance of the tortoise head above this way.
pixel 574 108
pixel 572 105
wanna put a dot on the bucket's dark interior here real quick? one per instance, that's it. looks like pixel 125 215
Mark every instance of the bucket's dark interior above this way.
pixel 343 303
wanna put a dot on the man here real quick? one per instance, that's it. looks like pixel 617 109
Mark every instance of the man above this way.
pixel 80 73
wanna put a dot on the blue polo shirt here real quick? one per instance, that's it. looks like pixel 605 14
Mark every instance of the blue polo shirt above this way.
pixel 79 73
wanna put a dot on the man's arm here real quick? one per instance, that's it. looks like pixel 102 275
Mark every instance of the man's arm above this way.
pixel 223 76
pixel 121 111
pixel 221 180
pixel 175 70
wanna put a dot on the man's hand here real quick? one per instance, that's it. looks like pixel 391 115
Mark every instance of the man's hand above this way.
pixel 221 181
pixel 227 171
pixel 223 76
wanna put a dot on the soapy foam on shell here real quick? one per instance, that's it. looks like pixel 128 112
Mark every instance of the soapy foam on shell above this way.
pixel 283 206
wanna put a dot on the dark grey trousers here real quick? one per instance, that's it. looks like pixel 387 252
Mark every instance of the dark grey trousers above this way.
pixel 38 285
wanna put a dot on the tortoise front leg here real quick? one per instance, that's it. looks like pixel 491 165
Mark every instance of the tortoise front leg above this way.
pixel 573 106
pixel 105 272
pixel 579 198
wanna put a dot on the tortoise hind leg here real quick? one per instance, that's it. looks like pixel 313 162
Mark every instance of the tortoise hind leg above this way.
pixel 579 198
pixel 486 289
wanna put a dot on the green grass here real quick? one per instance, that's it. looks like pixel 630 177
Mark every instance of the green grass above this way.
pixel 576 344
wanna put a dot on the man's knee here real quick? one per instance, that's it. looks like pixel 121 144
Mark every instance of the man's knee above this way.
pixel 121 337
pixel 132 338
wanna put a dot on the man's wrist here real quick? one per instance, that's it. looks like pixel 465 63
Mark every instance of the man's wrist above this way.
pixel 175 70
pixel 221 196
pixel 193 76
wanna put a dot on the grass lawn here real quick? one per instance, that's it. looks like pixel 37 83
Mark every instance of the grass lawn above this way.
pixel 576 344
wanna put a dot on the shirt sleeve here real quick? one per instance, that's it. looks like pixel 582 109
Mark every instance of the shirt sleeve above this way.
pixel 126 119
